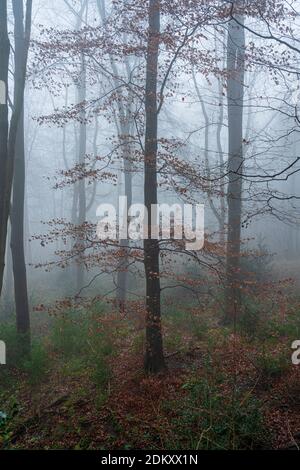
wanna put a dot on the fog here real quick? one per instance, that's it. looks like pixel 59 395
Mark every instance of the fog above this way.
pixel 184 102
pixel 269 128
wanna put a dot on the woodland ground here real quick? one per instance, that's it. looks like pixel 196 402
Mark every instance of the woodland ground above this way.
pixel 84 386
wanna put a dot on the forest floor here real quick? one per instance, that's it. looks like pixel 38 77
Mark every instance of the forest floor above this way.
pixel 222 390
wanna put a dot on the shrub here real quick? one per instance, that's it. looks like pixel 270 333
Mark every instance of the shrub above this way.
pixel 200 327
pixel 271 366
pixel 69 334
pixel 100 349
pixel 250 320
pixel 36 365
pixel 208 420
pixel 84 345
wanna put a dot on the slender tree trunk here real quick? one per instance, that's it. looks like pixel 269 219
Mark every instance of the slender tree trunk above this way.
pixel 123 128
pixel 154 358
pixel 17 237
pixel 217 212
pixel 122 277
pixel 4 58
pixel 81 195
pixel 222 209
pixel 17 213
pixel 81 160
pixel 7 148
pixel 79 206
pixel 235 95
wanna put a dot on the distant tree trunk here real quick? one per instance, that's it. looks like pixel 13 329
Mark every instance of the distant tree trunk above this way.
pixel 235 95
pixel 81 160
pixel 74 209
pixel 79 205
pixel 222 209
pixel 222 187
pixel 122 277
pixel 17 213
pixel 154 358
pixel 4 59
pixel 219 213
pixel 123 127
pixel 80 190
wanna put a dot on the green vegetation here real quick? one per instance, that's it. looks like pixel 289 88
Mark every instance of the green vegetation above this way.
pixel 215 394
pixel 208 421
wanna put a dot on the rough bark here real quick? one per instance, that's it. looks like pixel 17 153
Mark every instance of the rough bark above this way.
pixel 154 358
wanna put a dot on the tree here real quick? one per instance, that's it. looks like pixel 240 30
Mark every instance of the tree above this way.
pixel 235 94
pixel 81 158
pixel 123 122
pixel 8 138
pixel 103 49
pixel 17 211
pixel 4 60
pixel 218 212
pixel 81 96
pixel 154 358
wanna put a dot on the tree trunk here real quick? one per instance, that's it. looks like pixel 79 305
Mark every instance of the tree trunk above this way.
pixel 17 237
pixel 7 148
pixel 122 277
pixel 4 58
pixel 217 212
pixel 81 160
pixel 235 95
pixel 123 128
pixel 17 212
pixel 222 209
pixel 7 300
pixel 154 358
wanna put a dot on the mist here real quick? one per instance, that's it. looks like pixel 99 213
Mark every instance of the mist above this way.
pixel 171 108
